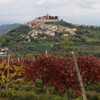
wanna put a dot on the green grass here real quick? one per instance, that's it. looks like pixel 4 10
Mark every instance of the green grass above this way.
pixel 22 95
pixel 18 95
pixel 26 91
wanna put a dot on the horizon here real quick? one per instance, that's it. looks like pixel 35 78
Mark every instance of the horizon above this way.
pixel 73 11
pixel 44 15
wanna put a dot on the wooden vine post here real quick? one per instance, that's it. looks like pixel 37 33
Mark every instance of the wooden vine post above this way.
pixel 46 52
pixel 79 77
pixel 18 59
pixel 7 72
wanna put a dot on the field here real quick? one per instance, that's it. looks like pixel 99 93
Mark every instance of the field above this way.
pixel 31 92
pixel 49 77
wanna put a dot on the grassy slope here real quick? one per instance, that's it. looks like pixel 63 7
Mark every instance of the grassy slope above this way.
pixel 87 40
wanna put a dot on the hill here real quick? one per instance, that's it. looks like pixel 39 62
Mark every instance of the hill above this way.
pixel 6 27
pixel 56 36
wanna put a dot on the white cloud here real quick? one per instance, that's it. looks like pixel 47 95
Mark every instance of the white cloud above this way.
pixel 96 6
pixel 40 2
pixel 5 1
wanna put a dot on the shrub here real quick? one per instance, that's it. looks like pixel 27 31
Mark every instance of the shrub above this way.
pixel 18 95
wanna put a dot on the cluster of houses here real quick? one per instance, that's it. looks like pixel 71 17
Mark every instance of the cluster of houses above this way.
pixel 4 51
pixel 83 25
pixel 41 25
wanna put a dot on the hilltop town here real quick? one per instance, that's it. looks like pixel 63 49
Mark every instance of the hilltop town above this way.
pixel 41 28
pixel 52 34
pixel 45 25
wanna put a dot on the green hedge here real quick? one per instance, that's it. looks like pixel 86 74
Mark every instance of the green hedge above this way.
pixel 19 95
pixel 93 95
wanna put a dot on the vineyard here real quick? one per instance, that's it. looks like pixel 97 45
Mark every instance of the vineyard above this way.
pixel 51 74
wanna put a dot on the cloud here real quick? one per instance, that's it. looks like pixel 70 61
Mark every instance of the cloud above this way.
pixel 5 1
pixel 75 11
pixel 40 2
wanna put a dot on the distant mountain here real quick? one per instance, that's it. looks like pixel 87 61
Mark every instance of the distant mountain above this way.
pixel 48 33
pixel 7 27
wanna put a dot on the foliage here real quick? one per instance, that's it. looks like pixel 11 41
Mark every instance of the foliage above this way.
pixel 52 71
pixel 15 71
pixel 86 40
pixel 59 71
pixel 18 95
pixel 29 55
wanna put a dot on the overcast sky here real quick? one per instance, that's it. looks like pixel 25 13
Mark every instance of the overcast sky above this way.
pixel 73 11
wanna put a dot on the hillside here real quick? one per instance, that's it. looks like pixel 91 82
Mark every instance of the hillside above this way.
pixel 31 38
pixel 6 27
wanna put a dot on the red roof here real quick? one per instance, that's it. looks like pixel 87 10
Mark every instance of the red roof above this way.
pixel 33 24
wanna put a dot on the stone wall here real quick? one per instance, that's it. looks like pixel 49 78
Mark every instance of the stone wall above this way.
pixel 46 20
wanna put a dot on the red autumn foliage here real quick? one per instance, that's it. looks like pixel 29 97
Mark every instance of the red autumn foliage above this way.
pixel 59 72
